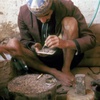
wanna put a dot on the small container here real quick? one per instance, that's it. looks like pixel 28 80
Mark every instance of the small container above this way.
pixel 80 86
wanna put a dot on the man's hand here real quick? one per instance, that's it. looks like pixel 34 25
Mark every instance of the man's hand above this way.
pixel 65 79
pixel 54 41
pixel 38 47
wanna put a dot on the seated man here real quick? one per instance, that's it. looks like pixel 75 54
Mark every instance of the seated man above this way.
pixel 59 25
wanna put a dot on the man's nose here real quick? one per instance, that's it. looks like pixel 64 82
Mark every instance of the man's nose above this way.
pixel 43 20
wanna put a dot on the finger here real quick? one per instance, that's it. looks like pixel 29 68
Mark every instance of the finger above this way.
pixel 69 83
pixel 66 83
pixel 73 81
pixel 37 50
pixel 52 42
pixel 38 45
pixel 50 37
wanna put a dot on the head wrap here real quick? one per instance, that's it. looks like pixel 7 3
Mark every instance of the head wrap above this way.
pixel 39 7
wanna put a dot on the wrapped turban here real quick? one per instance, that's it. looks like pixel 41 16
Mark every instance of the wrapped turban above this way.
pixel 39 7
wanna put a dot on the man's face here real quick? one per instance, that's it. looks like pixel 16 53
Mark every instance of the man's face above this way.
pixel 45 17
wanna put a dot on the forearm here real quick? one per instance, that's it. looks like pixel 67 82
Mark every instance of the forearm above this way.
pixel 32 60
pixel 70 44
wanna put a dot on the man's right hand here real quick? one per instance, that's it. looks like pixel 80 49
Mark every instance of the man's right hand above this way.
pixel 62 77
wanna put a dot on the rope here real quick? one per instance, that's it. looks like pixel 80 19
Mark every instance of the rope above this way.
pixel 95 14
